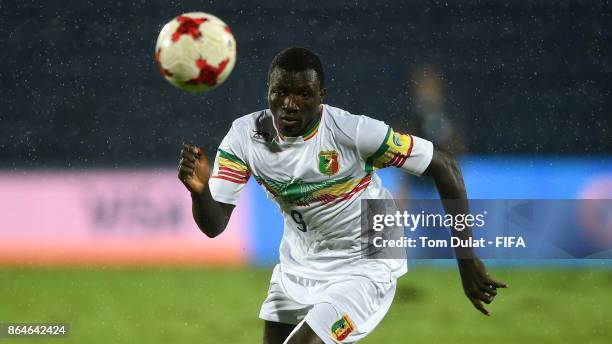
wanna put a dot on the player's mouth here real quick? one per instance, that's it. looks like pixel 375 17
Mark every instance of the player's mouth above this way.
pixel 288 121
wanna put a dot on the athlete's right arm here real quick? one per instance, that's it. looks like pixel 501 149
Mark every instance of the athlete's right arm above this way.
pixel 194 172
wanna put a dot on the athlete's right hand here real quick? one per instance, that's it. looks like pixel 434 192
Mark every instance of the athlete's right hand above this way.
pixel 194 169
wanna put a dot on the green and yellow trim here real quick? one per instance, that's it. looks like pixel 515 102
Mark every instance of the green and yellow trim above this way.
pixel 231 161
pixel 312 132
pixel 302 193
pixel 369 167
pixel 394 151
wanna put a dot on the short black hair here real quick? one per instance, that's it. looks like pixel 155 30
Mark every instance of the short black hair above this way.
pixel 298 59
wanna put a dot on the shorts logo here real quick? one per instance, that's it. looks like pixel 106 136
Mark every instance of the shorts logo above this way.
pixel 342 328
pixel 328 162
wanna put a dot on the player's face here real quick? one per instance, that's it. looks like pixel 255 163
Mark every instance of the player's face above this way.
pixel 295 99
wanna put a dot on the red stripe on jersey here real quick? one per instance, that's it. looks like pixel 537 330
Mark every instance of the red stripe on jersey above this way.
pixel 230 171
pixel 233 180
pixel 411 146
pixel 244 179
pixel 328 198
pixel 229 175
pixel 364 184
pixel 401 163
pixel 396 158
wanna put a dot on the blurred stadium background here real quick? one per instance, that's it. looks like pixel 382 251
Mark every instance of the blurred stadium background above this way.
pixel 96 230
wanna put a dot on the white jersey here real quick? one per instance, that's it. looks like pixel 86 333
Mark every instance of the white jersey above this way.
pixel 318 181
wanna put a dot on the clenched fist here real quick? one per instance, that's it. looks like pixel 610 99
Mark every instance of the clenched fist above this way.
pixel 194 169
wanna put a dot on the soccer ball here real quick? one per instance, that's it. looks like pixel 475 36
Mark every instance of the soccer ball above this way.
pixel 195 51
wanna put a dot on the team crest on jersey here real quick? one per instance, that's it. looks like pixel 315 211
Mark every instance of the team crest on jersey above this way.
pixel 342 328
pixel 328 162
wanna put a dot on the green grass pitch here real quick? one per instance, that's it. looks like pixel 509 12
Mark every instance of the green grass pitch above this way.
pixel 197 305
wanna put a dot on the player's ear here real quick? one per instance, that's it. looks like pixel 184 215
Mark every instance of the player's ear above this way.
pixel 322 94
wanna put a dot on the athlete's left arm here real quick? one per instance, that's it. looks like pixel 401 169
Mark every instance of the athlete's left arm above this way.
pixel 478 286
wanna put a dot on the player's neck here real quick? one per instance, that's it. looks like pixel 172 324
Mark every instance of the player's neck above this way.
pixel 312 126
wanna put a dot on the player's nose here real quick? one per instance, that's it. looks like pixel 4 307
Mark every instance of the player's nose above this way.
pixel 290 105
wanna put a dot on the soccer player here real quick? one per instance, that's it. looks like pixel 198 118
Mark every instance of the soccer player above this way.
pixel 318 162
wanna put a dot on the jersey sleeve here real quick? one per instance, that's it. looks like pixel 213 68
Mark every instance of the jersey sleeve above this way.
pixel 230 172
pixel 380 146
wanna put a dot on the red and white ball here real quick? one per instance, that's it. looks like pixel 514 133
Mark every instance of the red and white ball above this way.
pixel 195 51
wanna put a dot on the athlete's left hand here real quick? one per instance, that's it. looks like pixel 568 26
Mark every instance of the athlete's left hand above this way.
pixel 478 286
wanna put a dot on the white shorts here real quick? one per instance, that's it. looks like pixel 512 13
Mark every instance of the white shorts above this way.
pixel 342 310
